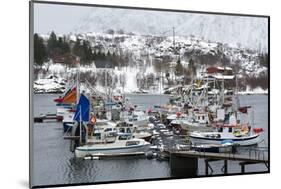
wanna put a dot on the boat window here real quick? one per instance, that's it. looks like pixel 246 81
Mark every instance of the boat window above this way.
pixel 132 143
pixel 97 135
pixel 124 137
pixel 230 129
pixel 220 129
pixel 108 129
pixel 203 117
pixel 122 130
pixel 129 130
pixel 111 134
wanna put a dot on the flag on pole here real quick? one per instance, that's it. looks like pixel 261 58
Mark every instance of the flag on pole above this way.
pixel 70 97
pixel 83 109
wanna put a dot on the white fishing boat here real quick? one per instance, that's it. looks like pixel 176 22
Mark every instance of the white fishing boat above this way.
pixel 237 133
pixel 135 117
pixel 124 144
pixel 140 132
pixel 104 132
pixel 220 137
pixel 197 119
pixel 68 121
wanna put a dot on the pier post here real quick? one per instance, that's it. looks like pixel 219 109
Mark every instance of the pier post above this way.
pixel 225 167
pixel 183 166
pixel 242 168
pixel 206 167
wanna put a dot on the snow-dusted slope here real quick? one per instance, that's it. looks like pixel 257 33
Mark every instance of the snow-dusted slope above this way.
pixel 249 32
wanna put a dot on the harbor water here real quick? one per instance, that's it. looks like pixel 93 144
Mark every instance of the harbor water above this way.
pixel 53 163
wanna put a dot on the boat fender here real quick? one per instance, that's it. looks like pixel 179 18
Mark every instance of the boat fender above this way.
pixel 149 155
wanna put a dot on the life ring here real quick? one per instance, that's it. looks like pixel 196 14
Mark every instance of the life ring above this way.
pixel 93 119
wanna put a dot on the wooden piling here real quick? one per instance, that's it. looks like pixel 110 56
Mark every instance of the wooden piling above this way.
pixel 183 166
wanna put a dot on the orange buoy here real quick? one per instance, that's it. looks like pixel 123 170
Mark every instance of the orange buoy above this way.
pixel 258 130
pixel 93 119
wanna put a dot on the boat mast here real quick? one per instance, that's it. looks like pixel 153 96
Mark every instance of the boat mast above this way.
pixel 80 126
pixel 223 75
pixel 78 79
pixel 78 95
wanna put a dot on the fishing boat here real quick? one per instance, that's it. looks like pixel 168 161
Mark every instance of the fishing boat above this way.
pixel 232 131
pixel 68 121
pixel 140 132
pixel 124 144
pixel 219 137
pixel 102 131
pixel 135 117
pixel 196 119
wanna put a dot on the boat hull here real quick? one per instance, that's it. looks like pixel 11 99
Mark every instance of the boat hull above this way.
pixel 67 126
pixel 95 150
pixel 144 136
pixel 242 141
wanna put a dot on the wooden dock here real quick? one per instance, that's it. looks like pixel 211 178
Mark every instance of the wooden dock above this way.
pixel 42 118
pixel 185 163
pixel 223 156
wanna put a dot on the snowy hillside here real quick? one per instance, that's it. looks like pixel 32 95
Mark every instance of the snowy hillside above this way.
pixel 187 46
pixel 151 58
pixel 250 32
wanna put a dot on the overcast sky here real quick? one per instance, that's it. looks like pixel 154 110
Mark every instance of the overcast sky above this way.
pixel 60 18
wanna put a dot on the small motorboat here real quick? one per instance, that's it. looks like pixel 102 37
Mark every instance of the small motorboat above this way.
pixel 123 145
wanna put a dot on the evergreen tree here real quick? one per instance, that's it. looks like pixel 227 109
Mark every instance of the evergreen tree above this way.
pixel 62 46
pixel 178 68
pixel 192 68
pixel 40 51
pixel 52 43
pixel 87 51
pixel 78 50
pixel 263 59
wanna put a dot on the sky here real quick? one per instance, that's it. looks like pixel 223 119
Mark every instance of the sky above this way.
pixel 60 18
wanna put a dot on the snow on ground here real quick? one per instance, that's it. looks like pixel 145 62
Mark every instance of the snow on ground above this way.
pixel 250 91
pixel 55 82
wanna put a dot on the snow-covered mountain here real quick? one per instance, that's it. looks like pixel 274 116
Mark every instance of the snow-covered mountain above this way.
pixel 250 32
